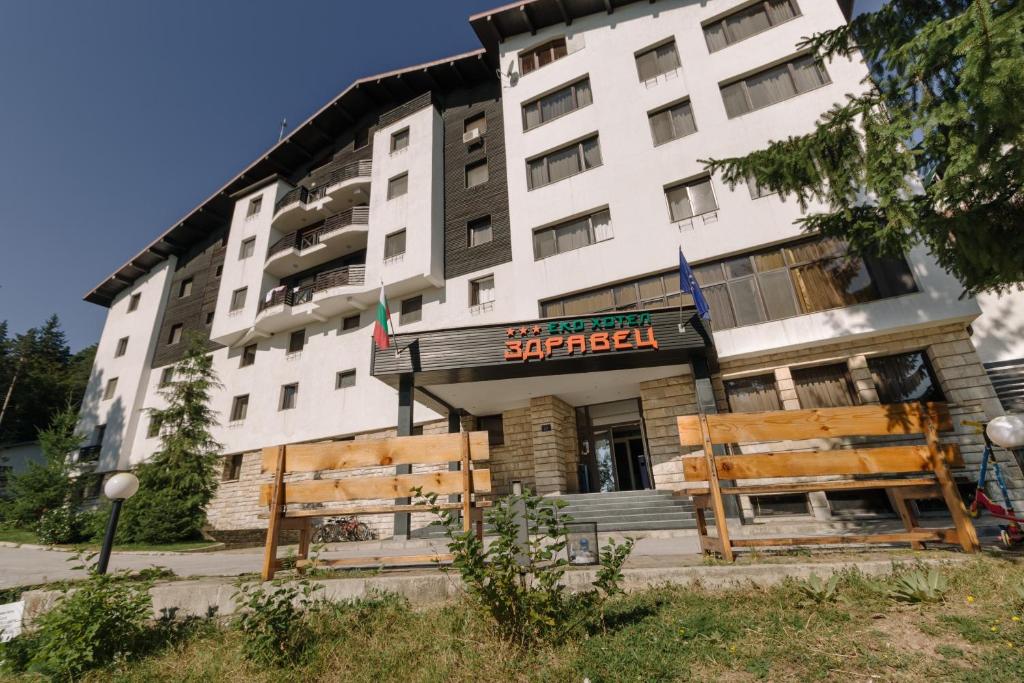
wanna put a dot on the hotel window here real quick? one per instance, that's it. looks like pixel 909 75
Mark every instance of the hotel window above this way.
pixel 108 393
pixel 232 468
pixel 399 140
pixel 255 204
pixel 153 430
pixel 749 21
pixel 238 299
pixel 804 277
pixel 558 103
pixel 289 396
pixel 122 347
pixel 185 288
pixel 756 191
pixel 133 303
pixel 476 173
pixel 394 244
pixel 780 505
pixel 562 163
pixel 824 386
pixel 239 408
pixel 574 234
pixel 481 291
pixel 411 311
pixel 175 335
pixel 247 248
pixel 398 186
pixel 248 356
pixel 774 84
pixel 345 379
pixel 904 378
pixel 350 323
pixel 658 60
pixel 297 341
pixel 495 428
pixel 209 318
pixel 474 127
pixel 672 122
pixel 479 231
pixel 691 198
pixel 542 55
pixel 166 377
pixel 753 394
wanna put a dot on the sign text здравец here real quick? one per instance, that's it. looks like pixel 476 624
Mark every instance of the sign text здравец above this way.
pixel 607 333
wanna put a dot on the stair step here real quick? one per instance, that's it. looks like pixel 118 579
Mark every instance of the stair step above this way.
pixel 613 508
pixel 573 497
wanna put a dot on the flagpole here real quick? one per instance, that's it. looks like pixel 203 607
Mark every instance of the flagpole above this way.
pixel 391 325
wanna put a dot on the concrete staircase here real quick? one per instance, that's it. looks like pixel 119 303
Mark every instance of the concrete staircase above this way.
pixel 631 510
pixel 617 511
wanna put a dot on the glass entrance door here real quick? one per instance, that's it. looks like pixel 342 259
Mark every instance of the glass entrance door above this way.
pixel 621 458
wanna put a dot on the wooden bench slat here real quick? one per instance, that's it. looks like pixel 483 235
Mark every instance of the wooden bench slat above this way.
pixel 795 425
pixel 396 450
pixel 847 461
pixel 940 535
pixel 921 483
pixel 377 560
pixel 374 488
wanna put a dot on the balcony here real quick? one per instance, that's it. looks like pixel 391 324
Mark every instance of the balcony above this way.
pixel 330 293
pixel 338 188
pixel 332 238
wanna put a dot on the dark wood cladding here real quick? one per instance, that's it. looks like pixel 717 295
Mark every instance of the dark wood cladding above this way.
pixel 462 204
pixel 201 264
pixel 473 354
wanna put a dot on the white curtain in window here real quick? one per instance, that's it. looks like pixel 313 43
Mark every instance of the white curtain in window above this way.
pixel 745 301
pixel 735 100
pixel 544 244
pixel 574 235
pixel 781 10
pixel 583 95
pixel 602 222
pixel 591 153
pixel 770 87
pixel 748 22
pixel 531 115
pixel 661 127
pixel 667 56
pixel 485 290
pixel 536 175
pixel 682 120
pixel 647 65
pixel 809 74
pixel 556 104
pixel 563 163
pixel 702 197
pixel 679 203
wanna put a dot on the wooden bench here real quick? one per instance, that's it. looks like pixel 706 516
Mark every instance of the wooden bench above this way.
pixel 466 448
pixel 909 472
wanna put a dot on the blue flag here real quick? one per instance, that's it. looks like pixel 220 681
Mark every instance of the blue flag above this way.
pixel 688 285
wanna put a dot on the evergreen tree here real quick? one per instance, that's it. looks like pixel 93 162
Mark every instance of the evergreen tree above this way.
pixel 47 485
pixel 177 484
pixel 942 103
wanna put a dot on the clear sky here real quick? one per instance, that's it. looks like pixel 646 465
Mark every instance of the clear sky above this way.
pixel 117 117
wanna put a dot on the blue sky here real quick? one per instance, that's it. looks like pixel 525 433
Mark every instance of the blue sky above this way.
pixel 119 116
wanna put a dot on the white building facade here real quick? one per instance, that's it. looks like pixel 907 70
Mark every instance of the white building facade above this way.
pixel 548 177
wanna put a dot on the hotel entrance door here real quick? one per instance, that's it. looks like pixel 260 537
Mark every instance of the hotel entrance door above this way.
pixel 613 448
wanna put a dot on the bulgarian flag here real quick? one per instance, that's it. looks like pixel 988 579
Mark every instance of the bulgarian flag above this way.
pixel 382 326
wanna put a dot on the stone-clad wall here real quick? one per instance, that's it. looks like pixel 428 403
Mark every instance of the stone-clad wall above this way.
pixel 663 401
pixel 513 461
pixel 555 451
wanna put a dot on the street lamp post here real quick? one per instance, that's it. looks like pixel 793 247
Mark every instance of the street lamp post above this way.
pixel 118 489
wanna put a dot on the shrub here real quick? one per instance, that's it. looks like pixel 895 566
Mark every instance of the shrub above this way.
pixel 818 589
pixel 519 582
pixel 63 525
pixel 272 621
pixel 97 621
pixel 919 586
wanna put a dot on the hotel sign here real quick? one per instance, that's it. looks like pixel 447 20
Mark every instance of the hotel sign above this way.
pixel 579 336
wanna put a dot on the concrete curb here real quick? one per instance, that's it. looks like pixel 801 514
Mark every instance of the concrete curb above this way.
pixel 59 549
pixel 210 597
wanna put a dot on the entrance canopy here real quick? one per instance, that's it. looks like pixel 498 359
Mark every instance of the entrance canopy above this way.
pixel 582 360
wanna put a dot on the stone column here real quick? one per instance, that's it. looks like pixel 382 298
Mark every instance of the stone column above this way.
pixel 663 401
pixel 553 431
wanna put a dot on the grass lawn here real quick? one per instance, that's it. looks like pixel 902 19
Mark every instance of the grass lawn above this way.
pixel 663 634
pixel 25 536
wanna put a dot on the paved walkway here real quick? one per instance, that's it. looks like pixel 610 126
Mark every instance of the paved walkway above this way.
pixel 32 566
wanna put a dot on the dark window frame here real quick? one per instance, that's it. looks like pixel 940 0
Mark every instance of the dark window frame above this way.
pixel 176 332
pixel 388 241
pixel 346 327
pixel 581 157
pixel 495 437
pixel 538 102
pixel 255 206
pixel 122 347
pixel 478 223
pixel 185 288
pixel 232 467
pixel 935 393
pixel 248 359
pixel 234 304
pixel 668 109
pixel 727 28
pixel 343 376
pixel 474 290
pixel 788 63
pixel 133 302
pixel 404 176
pixel 239 408
pixel 540 233
pixel 639 54
pixel 529 60
pixel 289 399
pixel 397 137
pixel 297 347
pixel 247 248
pixel 414 315
pixel 474 165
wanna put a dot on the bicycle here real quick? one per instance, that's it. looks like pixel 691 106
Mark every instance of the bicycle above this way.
pixel 1011 533
pixel 342 529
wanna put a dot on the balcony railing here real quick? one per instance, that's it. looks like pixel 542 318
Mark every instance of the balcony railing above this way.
pixel 308 237
pixel 87 454
pixel 305 195
pixel 346 276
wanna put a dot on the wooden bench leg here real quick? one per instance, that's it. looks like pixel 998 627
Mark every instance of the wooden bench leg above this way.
pixel 274 523
pixel 906 514
pixel 305 534
pixel 961 520
pixel 702 528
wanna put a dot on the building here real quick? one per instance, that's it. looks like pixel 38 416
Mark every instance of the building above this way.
pixel 523 205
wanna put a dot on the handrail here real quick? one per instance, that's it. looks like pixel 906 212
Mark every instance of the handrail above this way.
pixel 346 276
pixel 306 195
pixel 309 237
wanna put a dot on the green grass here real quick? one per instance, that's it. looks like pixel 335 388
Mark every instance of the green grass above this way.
pixel 26 536
pixel 667 633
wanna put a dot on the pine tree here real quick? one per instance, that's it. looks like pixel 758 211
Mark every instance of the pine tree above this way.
pixel 179 481
pixel 941 104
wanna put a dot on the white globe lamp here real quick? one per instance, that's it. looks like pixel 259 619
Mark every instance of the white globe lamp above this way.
pixel 118 489
pixel 1007 431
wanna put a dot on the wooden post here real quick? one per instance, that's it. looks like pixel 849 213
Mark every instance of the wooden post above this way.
pixel 702 525
pixel 276 512
pixel 305 533
pixel 899 503
pixel 964 527
pixel 717 505
pixel 467 485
